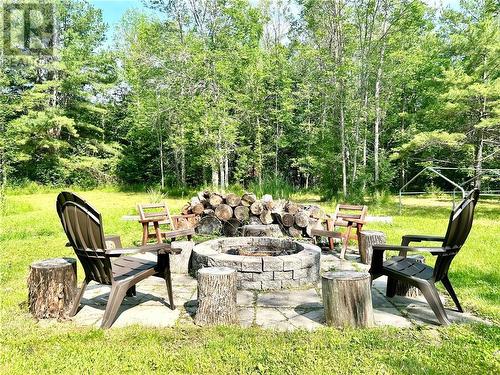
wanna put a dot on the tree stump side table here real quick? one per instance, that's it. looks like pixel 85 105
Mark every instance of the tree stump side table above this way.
pixel 347 299
pixel 216 296
pixel 368 238
pixel 52 287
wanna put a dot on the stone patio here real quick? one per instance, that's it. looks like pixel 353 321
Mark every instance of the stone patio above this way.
pixel 281 310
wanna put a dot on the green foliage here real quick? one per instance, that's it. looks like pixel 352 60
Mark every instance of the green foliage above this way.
pixel 349 97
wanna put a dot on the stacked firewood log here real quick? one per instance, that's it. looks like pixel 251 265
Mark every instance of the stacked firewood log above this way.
pixel 226 213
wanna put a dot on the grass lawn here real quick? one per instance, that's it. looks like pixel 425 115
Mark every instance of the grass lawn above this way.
pixel 30 230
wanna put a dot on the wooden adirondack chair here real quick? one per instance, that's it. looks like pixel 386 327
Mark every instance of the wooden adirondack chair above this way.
pixel 348 216
pixel 83 227
pixel 156 214
pixel 423 276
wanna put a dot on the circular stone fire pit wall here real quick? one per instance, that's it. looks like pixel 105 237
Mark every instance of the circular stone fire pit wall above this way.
pixel 263 263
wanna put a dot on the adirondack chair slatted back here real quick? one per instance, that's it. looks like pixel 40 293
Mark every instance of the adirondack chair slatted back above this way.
pixel 83 227
pixel 347 211
pixel 458 230
pixel 151 211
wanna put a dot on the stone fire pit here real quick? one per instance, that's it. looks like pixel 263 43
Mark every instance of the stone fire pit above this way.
pixel 263 263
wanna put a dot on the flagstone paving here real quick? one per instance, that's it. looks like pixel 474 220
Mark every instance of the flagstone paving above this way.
pixel 283 310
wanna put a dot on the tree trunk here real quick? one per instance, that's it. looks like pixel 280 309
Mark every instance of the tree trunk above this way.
pixel 347 299
pixel 343 145
pixel 216 296
pixel 479 162
pixel 378 109
pixel 215 176
pixel 52 288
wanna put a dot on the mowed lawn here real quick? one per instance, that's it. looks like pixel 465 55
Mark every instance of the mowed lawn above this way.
pixel 30 230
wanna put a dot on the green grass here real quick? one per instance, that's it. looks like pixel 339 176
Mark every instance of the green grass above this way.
pixel 30 230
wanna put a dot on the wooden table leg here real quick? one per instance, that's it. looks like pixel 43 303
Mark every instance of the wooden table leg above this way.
pixel 157 231
pixel 330 227
pixel 144 233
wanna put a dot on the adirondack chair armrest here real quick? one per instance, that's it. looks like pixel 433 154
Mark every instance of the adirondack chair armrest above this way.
pixel 407 238
pixel 160 248
pixel 384 247
pixel 378 253
pixel 123 251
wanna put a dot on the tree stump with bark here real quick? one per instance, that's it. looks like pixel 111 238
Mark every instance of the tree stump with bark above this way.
pixel 347 299
pixel 52 287
pixel 405 289
pixel 216 296
pixel 368 238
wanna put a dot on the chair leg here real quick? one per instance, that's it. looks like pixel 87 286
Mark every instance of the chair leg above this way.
pixel 115 300
pixel 78 298
pixel 391 287
pixel 432 296
pixel 131 292
pixel 449 288
pixel 168 280
pixel 330 227
pixel 345 240
pixel 145 233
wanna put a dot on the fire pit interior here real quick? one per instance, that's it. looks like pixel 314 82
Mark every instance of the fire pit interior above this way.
pixel 263 263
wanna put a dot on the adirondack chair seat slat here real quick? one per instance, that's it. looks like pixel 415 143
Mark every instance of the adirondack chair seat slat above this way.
pixel 408 267
pixel 126 267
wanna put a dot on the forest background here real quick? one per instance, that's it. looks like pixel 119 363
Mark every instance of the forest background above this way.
pixel 348 97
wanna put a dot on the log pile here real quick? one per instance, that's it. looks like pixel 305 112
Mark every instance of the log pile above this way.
pixel 225 214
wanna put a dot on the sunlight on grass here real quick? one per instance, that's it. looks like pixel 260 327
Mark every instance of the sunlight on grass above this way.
pixel 31 231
